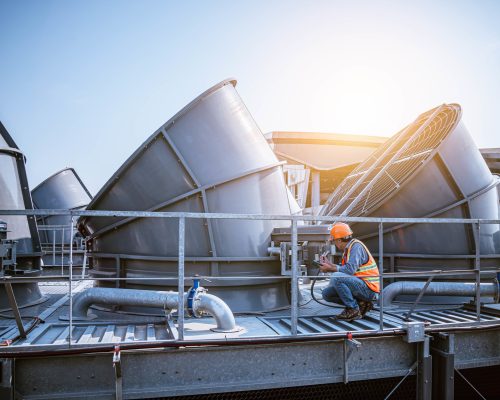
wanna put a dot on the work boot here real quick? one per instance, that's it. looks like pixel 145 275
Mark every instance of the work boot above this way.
pixel 349 314
pixel 364 307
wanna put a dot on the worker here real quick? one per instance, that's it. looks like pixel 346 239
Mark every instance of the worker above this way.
pixel 355 282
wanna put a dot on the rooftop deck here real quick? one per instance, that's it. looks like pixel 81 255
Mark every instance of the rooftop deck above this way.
pixel 262 355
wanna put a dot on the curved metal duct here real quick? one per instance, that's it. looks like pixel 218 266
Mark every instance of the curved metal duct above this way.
pixel 15 195
pixel 202 302
pixel 432 168
pixel 63 190
pixel 463 289
pixel 210 157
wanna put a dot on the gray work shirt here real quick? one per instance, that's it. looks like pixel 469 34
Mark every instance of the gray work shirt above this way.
pixel 357 258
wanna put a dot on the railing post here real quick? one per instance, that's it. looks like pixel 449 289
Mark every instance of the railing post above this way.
pixel 381 271
pixel 70 281
pixel 477 269
pixel 180 284
pixel 84 262
pixel 54 248
pixel 295 283
pixel 62 251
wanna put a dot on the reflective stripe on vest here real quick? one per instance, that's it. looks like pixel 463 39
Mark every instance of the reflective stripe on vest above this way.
pixel 368 271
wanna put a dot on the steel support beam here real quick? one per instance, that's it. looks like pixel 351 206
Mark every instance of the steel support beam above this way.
pixel 424 370
pixel 443 371
pixel 7 379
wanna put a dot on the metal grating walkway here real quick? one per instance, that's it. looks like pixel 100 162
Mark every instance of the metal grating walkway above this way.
pixel 392 320
pixel 58 334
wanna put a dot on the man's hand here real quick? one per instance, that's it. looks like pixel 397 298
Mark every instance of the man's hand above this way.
pixel 326 265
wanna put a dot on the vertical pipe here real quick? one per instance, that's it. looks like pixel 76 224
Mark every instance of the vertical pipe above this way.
pixel 295 288
pixel 477 268
pixel 381 271
pixel 70 282
pixel 315 189
pixel 180 284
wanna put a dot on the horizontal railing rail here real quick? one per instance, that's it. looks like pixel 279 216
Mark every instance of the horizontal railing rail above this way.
pixel 294 219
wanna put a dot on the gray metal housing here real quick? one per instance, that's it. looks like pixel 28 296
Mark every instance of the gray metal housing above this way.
pixel 15 195
pixel 432 168
pixel 63 190
pixel 210 157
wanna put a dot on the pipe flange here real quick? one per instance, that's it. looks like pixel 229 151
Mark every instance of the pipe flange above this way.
pixel 234 330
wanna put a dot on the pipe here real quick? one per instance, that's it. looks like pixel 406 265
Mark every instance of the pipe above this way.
pixel 274 251
pixel 219 310
pixel 202 302
pixel 438 289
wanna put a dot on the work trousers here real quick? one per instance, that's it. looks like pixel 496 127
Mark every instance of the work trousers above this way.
pixel 345 289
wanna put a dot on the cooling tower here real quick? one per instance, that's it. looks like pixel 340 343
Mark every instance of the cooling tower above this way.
pixel 15 195
pixel 63 190
pixel 432 168
pixel 210 157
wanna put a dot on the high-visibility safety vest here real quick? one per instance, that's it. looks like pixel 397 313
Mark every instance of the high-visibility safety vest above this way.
pixel 368 271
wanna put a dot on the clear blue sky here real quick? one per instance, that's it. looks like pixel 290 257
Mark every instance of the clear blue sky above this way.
pixel 84 83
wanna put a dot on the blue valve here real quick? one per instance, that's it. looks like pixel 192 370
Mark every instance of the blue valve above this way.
pixel 190 298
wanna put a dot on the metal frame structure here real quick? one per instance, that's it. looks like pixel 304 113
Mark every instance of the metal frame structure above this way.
pixel 20 158
pixel 152 369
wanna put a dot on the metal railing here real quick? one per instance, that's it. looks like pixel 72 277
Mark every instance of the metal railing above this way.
pixel 61 240
pixel 182 216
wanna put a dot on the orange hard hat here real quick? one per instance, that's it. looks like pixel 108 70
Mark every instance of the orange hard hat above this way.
pixel 340 230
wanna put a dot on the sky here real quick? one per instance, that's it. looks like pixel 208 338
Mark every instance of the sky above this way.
pixel 84 83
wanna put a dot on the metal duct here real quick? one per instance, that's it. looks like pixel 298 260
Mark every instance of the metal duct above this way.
pixel 63 190
pixel 432 168
pixel 463 289
pixel 210 157
pixel 202 302
pixel 15 195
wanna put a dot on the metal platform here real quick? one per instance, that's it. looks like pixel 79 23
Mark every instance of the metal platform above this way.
pixel 262 355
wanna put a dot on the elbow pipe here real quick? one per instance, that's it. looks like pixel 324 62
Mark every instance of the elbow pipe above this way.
pixel 216 307
pixel 202 302
pixel 438 289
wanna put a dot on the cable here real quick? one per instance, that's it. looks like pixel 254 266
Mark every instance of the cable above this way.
pixel 319 301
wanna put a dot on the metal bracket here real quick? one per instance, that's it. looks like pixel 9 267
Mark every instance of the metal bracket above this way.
pixel 284 249
pixel 415 331
pixel 8 253
pixel 117 365
pixel 286 257
pixel 349 345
